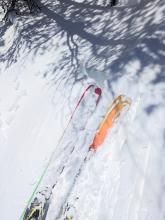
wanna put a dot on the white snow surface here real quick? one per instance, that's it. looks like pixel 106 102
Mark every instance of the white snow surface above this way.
pixel 125 178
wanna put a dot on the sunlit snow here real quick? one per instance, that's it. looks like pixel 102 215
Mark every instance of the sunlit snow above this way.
pixel 40 86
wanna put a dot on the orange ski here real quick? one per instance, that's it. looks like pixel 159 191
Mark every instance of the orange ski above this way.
pixel 113 113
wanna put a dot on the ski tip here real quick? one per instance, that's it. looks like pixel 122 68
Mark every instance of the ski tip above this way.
pixel 98 91
pixel 109 120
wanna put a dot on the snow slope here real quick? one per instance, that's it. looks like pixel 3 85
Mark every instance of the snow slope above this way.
pixel 39 88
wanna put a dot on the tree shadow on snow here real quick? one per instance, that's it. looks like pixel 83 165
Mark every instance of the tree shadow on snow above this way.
pixel 102 37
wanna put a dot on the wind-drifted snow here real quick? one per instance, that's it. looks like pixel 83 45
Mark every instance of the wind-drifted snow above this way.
pixel 125 178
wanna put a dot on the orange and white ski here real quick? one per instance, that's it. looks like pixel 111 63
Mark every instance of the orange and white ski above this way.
pixel 118 105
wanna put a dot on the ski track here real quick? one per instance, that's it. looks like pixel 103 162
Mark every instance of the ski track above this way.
pixel 97 182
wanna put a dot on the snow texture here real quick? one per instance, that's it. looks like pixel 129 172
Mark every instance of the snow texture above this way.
pixel 122 50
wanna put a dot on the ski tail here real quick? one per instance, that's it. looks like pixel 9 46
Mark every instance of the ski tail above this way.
pixel 36 208
pixel 113 113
